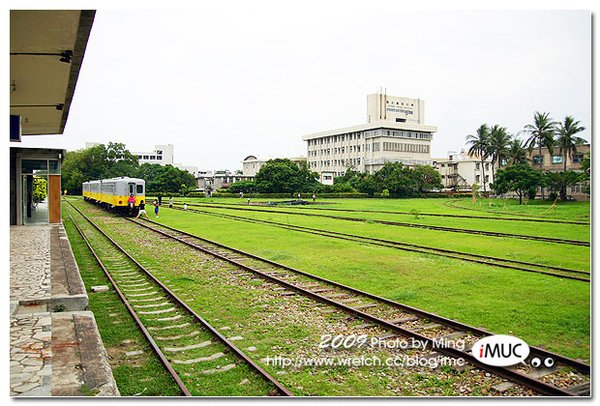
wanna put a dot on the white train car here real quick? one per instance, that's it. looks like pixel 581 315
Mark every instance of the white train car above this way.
pixel 115 193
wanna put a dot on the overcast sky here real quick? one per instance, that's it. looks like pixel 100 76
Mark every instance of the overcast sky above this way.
pixel 225 82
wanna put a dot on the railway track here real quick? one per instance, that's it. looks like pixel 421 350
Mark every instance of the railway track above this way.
pixel 530 217
pixel 411 225
pixel 192 350
pixel 524 266
pixel 565 377
pixel 425 214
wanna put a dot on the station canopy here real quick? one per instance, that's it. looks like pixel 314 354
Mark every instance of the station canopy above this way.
pixel 46 52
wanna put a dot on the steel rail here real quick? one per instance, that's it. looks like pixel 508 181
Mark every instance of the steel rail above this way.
pixel 280 387
pixel 413 225
pixel 155 347
pixel 411 247
pixel 528 219
pixel 514 376
pixel 581 367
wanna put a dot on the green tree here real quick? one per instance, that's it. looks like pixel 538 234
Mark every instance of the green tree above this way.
pixel 517 178
pixel 497 148
pixel 541 134
pixel 40 189
pixel 558 182
pixel 479 147
pixel 427 178
pixel 165 178
pixel 398 179
pixel 567 140
pixel 245 186
pixel 515 154
pixel 284 176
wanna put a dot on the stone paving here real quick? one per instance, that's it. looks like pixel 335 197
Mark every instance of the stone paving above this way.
pixel 54 353
pixel 30 355
pixel 30 259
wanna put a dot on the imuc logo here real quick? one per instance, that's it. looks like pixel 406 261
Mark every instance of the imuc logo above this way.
pixel 501 350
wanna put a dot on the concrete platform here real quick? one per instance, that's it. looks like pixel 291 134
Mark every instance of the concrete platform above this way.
pixel 55 346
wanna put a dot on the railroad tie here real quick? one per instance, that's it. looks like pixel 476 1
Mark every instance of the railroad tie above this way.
pixel 365 306
pixel 147 306
pixel 167 338
pixel 503 387
pixel 583 389
pixel 171 309
pixel 321 290
pixel 427 327
pixel 134 285
pixel 403 320
pixel 140 289
pixel 236 338
pixel 215 370
pixel 363 326
pixel 168 327
pixel 201 359
pixel 350 300
pixel 188 347
pixel 144 294
pixel 176 317
pixel 150 299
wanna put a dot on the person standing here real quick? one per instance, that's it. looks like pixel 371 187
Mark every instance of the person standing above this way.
pixel 142 210
pixel 171 202
pixel 156 208
pixel 185 206
pixel 314 197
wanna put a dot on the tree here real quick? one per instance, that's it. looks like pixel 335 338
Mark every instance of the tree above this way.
pixel 566 138
pixel 98 162
pixel 515 154
pixel 165 178
pixel 541 134
pixel 427 178
pixel 479 146
pixel 558 182
pixel 517 178
pixel 399 180
pixel 285 176
pixel 40 189
pixel 498 142
pixel 245 186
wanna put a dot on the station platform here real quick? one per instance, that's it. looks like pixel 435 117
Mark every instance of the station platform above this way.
pixel 55 346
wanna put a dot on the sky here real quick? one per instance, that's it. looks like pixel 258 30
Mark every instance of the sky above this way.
pixel 229 79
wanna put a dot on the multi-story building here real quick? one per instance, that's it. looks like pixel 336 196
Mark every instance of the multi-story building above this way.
pixel 251 164
pixel 554 162
pixel 162 155
pixel 459 171
pixel 394 132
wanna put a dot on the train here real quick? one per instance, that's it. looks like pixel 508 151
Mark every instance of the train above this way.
pixel 114 193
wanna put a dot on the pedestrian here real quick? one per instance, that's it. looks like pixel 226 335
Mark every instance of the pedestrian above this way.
pixel 185 206
pixel 171 202
pixel 248 200
pixel 142 210
pixel 298 196
pixel 131 201
pixel 241 194
pixel 156 207
pixel 314 197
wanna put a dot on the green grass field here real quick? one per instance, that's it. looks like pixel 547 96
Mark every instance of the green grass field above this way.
pixel 545 311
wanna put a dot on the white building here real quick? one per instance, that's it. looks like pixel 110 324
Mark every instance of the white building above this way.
pixel 460 171
pixel 394 132
pixel 163 155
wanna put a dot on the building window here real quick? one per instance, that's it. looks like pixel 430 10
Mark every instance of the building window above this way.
pixel 477 178
pixel 577 158
pixel 146 157
pixel 538 159
pixel 557 159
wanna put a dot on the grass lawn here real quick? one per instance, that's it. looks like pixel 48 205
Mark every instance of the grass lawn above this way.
pixel 544 311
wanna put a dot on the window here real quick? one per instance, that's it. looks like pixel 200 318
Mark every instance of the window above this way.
pixel 146 157
pixel 557 159
pixel 139 189
pixel 538 159
pixel 577 158
pixel 477 178
pixel 487 168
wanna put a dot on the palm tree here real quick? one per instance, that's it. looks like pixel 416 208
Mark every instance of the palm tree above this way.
pixel 498 143
pixel 567 140
pixel 515 153
pixel 479 145
pixel 541 134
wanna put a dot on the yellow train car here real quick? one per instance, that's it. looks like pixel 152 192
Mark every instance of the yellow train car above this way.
pixel 115 193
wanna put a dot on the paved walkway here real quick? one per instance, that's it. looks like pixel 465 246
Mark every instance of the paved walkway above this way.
pixel 56 349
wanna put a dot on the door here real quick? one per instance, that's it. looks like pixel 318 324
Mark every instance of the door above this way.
pixel 54 198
